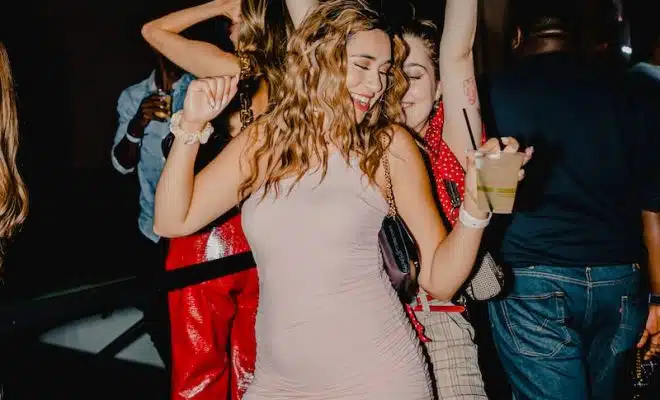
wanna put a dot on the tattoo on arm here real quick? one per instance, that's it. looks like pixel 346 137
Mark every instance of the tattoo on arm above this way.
pixel 470 90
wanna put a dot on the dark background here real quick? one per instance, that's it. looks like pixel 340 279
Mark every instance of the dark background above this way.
pixel 71 60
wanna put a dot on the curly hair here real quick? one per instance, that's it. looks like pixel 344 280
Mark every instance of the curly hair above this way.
pixel 265 30
pixel 13 193
pixel 314 95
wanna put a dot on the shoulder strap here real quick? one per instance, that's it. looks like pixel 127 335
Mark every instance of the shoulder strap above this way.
pixel 389 193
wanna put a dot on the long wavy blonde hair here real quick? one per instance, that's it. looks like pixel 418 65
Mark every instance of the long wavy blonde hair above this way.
pixel 265 30
pixel 13 194
pixel 314 95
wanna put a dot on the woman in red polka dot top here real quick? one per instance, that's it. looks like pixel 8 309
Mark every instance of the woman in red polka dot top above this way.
pixel 434 110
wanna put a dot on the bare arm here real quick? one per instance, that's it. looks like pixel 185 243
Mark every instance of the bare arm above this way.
pixel 185 203
pixel 651 221
pixel 459 87
pixel 298 9
pixel 201 59
pixel 446 260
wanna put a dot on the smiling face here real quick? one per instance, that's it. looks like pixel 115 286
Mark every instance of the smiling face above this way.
pixel 369 60
pixel 424 88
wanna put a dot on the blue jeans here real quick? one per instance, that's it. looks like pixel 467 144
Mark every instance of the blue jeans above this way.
pixel 564 333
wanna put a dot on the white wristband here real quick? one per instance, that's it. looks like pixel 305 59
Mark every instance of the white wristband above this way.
pixel 133 139
pixel 471 222
pixel 189 138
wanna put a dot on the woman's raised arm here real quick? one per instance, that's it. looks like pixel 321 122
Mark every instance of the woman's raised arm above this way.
pixel 186 202
pixel 459 86
pixel 201 59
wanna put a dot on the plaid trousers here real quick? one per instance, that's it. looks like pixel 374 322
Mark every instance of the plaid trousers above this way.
pixel 452 351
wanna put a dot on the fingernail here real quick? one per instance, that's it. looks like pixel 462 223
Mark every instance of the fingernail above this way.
pixel 478 154
pixel 505 140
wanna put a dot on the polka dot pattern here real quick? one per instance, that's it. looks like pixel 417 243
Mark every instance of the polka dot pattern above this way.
pixel 444 164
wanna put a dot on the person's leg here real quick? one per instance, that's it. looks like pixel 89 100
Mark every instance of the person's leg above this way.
pixel 200 333
pixel 200 318
pixel 154 306
pixel 243 347
pixel 453 355
pixel 540 352
pixel 618 316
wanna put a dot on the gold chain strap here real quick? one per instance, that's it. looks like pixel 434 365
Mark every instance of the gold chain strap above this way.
pixel 389 193
pixel 247 73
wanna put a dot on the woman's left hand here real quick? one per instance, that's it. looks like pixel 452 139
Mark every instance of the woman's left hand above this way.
pixel 492 146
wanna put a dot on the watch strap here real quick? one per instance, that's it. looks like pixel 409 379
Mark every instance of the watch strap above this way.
pixel 654 298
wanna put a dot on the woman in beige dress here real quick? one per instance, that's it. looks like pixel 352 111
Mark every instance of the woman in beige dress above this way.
pixel 310 178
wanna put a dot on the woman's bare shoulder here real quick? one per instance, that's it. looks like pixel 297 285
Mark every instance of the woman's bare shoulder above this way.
pixel 403 142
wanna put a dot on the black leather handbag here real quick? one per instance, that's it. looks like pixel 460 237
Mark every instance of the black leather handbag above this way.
pixel 398 247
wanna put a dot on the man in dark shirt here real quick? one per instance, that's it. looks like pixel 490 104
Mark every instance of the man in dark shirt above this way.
pixel 578 300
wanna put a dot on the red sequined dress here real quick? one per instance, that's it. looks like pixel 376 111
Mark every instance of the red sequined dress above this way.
pixel 212 323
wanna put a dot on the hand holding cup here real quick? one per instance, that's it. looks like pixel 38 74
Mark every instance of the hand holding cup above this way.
pixel 153 108
pixel 492 176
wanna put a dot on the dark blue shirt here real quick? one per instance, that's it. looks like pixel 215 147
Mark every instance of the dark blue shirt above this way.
pixel 594 168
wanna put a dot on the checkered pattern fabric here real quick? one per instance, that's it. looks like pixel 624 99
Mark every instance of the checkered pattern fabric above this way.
pixel 453 354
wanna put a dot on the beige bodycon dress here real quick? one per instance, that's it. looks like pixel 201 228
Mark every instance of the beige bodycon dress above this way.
pixel 329 325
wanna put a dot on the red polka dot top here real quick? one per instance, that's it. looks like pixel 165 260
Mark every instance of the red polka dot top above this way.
pixel 445 165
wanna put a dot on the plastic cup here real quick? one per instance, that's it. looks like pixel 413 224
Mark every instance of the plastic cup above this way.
pixel 497 181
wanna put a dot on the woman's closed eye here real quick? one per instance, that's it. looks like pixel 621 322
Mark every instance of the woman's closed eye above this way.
pixel 415 72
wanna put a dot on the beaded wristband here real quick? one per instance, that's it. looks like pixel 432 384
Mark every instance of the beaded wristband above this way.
pixel 471 222
pixel 189 138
